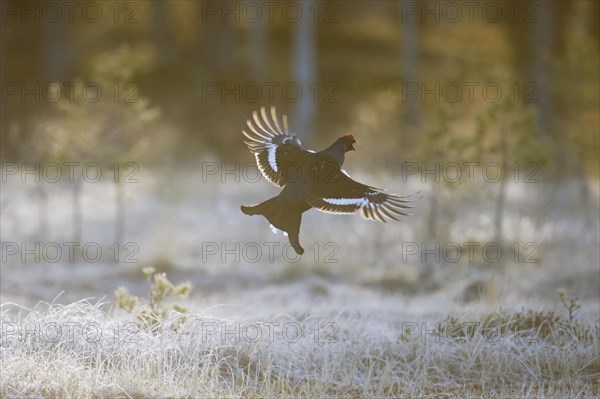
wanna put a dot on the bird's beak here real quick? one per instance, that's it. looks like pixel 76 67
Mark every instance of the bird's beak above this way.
pixel 352 145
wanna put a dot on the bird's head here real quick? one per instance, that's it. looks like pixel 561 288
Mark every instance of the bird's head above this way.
pixel 348 141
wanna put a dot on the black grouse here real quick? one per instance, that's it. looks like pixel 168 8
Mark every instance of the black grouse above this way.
pixel 310 179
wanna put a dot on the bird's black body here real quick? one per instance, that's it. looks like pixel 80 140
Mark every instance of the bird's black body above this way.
pixel 284 213
pixel 303 179
pixel 310 180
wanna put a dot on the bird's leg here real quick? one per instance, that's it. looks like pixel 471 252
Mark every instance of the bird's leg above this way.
pixel 295 242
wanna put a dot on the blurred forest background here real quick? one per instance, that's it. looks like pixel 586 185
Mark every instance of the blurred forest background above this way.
pixel 164 87
pixel 159 64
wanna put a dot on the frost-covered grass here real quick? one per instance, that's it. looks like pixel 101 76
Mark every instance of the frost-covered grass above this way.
pixel 101 352
pixel 369 324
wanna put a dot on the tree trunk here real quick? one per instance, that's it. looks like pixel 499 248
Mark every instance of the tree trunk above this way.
pixel 410 65
pixel 57 51
pixel 304 69
pixel 543 41
pixel 77 213
pixel 431 236
pixel 119 214
pixel 161 32
pixel 258 48
pixel 42 196
pixel 501 198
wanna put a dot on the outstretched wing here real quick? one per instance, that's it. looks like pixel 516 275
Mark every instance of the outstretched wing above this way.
pixel 340 194
pixel 273 146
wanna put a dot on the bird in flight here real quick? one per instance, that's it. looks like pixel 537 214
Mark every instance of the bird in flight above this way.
pixel 310 179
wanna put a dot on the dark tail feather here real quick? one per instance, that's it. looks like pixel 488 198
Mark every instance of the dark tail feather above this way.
pixel 277 211
pixel 249 210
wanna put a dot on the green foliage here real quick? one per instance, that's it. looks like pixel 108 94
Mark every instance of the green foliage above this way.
pixel 576 92
pixel 125 300
pixel 104 116
pixel 503 132
pixel 511 135
pixel 571 304
pixel 529 326
pixel 436 141
pixel 156 310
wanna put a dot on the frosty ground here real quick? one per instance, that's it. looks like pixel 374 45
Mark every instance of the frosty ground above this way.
pixel 366 312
